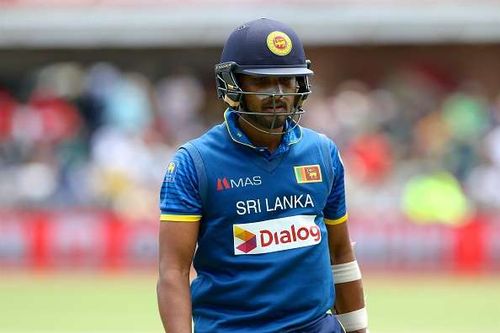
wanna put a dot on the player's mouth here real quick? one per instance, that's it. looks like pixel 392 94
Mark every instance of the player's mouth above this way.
pixel 279 107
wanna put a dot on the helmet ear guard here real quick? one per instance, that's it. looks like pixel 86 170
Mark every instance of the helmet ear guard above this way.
pixel 226 84
pixel 303 82
pixel 304 86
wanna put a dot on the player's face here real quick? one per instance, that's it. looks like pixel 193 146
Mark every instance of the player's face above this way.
pixel 266 103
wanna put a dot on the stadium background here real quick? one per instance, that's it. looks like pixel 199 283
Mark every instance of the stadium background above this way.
pixel 95 96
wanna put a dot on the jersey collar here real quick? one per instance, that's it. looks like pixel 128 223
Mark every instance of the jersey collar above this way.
pixel 238 136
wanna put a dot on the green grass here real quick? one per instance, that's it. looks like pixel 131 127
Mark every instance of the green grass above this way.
pixel 127 303
pixel 75 303
pixel 433 304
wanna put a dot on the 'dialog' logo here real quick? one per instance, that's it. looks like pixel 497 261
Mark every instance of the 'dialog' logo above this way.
pixel 229 183
pixel 275 235
pixel 249 239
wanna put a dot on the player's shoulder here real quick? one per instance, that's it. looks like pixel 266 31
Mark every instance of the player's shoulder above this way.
pixel 180 162
pixel 211 139
pixel 310 135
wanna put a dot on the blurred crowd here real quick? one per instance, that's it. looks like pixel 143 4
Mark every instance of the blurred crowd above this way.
pixel 417 141
pixel 93 137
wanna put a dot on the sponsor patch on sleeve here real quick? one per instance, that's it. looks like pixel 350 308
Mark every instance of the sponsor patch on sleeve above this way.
pixel 171 171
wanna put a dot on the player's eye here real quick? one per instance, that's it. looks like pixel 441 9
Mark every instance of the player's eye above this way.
pixel 287 81
pixel 256 81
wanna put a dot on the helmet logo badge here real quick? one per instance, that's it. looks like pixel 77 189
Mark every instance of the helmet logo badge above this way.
pixel 279 43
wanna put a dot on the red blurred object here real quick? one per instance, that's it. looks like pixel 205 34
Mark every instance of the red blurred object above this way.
pixel 370 157
pixel 102 240
pixel 470 252
pixel 7 107
pixel 75 239
pixel 60 119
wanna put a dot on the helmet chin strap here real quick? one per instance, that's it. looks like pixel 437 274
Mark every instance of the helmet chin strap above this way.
pixel 231 103
pixel 283 131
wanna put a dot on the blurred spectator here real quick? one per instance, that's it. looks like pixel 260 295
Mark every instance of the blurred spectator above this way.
pixel 435 197
pixel 7 107
pixel 483 187
pixel 492 145
pixel 370 157
pixel 59 120
pixel 180 99
pixel 64 80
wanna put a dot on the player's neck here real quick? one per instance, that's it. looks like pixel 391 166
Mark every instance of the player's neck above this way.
pixel 260 139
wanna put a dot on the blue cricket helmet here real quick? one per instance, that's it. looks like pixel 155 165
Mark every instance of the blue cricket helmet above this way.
pixel 266 47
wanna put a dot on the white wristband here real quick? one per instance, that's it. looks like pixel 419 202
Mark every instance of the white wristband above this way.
pixel 347 272
pixel 355 320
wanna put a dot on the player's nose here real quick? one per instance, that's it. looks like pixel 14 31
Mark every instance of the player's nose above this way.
pixel 277 87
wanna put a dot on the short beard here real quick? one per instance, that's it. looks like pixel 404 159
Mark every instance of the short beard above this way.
pixel 264 122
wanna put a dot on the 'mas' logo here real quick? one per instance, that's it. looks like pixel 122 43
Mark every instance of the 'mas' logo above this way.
pixel 276 235
pixel 229 183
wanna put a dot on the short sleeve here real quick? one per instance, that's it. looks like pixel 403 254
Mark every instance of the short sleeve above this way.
pixel 180 200
pixel 335 211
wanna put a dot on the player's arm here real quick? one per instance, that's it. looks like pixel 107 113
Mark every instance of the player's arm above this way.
pixel 177 242
pixel 349 304
pixel 180 206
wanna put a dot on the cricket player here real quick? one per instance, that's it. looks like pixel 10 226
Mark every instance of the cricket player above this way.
pixel 257 205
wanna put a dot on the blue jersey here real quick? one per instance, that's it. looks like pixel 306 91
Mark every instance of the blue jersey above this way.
pixel 262 258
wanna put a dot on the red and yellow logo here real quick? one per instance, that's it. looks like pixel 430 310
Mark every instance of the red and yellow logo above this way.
pixel 248 238
pixel 308 174
pixel 279 43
